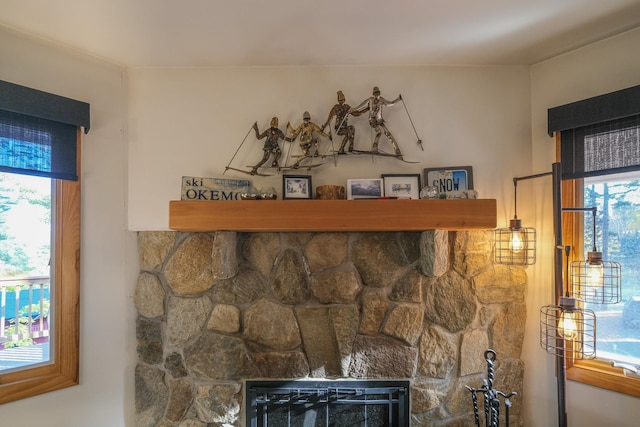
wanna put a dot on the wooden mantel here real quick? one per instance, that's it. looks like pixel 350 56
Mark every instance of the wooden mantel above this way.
pixel 332 215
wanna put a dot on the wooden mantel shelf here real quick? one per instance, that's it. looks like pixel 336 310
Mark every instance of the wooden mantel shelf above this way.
pixel 332 215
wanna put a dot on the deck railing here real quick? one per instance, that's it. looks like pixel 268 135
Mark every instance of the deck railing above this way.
pixel 24 309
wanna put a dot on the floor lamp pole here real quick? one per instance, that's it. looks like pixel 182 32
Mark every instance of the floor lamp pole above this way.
pixel 557 275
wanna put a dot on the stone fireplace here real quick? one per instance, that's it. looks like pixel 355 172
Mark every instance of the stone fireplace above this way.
pixel 216 310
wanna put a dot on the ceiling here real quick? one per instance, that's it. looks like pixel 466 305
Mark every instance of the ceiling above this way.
pixel 199 33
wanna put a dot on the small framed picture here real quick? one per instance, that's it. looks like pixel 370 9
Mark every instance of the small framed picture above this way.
pixel 371 188
pixel 451 181
pixel 296 187
pixel 402 186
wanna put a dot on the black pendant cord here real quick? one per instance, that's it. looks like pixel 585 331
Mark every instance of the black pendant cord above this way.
pixel 567 251
pixel 515 198
pixel 593 211
pixel 515 189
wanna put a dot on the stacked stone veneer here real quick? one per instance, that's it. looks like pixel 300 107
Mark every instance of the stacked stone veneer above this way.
pixel 216 309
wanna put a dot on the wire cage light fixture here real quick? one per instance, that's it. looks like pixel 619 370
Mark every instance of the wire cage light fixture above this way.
pixel 515 244
pixel 566 329
pixel 595 280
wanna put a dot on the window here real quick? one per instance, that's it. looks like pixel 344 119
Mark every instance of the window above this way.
pixel 617 198
pixel 599 147
pixel 615 340
pixel 25 254
pixel 62 371
pixel 51 151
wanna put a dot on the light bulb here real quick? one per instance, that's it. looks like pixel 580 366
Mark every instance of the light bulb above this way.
pixel 517 243
pixel 595 275
pixel 567 326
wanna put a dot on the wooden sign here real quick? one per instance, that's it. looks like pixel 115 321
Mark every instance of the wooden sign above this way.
pixel 197 188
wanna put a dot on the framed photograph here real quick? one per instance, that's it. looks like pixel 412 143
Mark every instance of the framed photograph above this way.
pixel 402 186
pixel 296 187
pixel 371 188
pixel 451 181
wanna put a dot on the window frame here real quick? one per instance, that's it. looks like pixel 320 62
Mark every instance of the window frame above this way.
pixel 597 373
pixel 63 371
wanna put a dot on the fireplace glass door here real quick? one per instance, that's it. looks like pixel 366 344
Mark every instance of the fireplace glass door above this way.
pixel 359 403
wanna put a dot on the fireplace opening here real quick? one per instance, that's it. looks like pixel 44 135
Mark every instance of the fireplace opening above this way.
pixel 344 403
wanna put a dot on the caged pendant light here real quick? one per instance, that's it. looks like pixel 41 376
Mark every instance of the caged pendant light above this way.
pixel 516 245
pixel 566 329
pixel 596 280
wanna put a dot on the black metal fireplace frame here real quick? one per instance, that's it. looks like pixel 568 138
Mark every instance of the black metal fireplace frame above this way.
pixel 262 397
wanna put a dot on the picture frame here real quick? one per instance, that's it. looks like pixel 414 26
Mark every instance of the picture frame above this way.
pixel 451 181
pixel 370 188
pixel 402 186
pixel 297 187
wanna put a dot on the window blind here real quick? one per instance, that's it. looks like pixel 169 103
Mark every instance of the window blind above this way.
pixel 33 146
pixel 599 135
pixel 38 132
pixel 601 149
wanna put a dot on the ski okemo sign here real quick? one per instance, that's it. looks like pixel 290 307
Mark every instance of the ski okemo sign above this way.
pixel 197 188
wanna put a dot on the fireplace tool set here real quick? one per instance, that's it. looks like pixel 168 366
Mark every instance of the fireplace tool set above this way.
pixel 491 397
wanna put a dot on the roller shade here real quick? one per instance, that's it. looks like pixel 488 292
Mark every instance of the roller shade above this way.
pixel 600 135
pixel 38 132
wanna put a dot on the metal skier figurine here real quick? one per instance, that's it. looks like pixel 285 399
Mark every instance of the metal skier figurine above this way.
pixel 374 105
pixel 341 112
pixel 308 141
pixel 271 146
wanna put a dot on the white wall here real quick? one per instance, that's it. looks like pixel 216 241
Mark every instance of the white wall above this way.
pixel 109 258
pixel 597 69
pixel 191 122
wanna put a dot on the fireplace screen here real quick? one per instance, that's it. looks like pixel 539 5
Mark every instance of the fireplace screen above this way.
pixel 328 403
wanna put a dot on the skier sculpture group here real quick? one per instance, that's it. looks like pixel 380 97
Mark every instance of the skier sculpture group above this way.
pixel 308 132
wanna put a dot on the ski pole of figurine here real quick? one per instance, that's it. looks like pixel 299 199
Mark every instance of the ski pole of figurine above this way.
pixel 412 125
pixel 236 153
pixel 333 150
pixel 339 126
pixel 291 139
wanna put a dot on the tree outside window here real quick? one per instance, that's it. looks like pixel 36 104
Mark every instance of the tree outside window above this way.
pixel 25 254
pixel 617 198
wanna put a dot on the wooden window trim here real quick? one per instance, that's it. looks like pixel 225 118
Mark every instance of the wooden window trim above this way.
pixel 64 370
pixel 596 373
pixel 601 374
